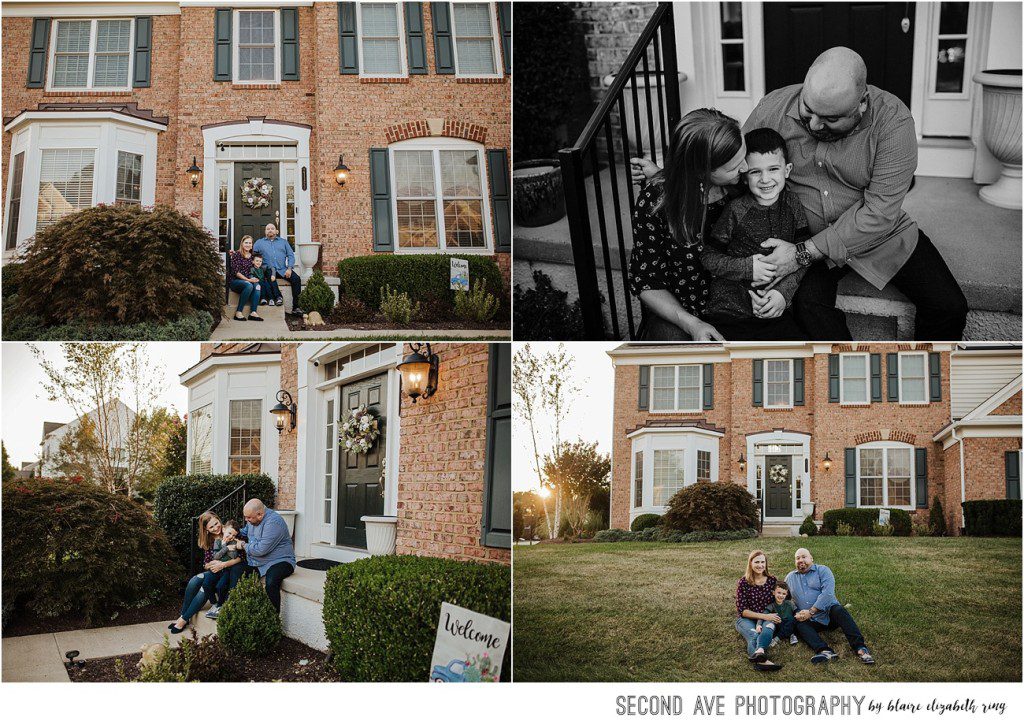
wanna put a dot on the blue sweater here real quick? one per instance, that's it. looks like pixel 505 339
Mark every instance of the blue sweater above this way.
pixel 269 542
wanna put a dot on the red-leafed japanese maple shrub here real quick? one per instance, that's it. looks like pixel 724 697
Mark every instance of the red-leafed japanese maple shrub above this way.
pixel 711 506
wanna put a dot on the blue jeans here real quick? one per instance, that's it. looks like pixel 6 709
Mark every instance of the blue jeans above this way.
pixel 746 628
pixel 269 290
pixel 200 588
pixel 770 630
pixel 838 618
pixel 248 294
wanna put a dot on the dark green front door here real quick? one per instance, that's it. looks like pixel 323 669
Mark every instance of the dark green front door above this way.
pixel 360 490
pixel 779 499
pixel 254 221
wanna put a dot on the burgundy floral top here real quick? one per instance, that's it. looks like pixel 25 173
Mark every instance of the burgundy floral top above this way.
pixel 240 265
pixel 754 598
pixel 207 556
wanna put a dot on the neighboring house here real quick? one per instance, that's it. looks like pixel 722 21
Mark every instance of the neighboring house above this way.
pixel 440 473
pixel 119 419
pixel 29 469
pixel 109 103
pixel 816 426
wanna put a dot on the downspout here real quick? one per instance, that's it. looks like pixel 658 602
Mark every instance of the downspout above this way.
pixel 960 441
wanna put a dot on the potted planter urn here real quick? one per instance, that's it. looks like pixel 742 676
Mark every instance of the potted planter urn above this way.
pixel 537 199
pixel 1001 119
pixel 380 534
pixel 308 254
pixel 807 508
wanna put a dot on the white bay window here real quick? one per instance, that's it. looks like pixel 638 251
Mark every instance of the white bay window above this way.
pixel 665 460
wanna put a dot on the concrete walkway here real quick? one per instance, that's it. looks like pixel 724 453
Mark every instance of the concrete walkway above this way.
pixel 40 657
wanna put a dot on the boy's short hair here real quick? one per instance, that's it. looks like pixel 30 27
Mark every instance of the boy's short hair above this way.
pixel 257 255
pixel 766 141
pixel 781 584
pixel 232 523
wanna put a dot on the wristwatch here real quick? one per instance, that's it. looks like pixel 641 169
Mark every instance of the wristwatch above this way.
pixel 803 257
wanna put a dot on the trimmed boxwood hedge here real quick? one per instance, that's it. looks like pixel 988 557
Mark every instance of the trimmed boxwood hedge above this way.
pixel 671 536
pixel 995 517
pixel 381 613
pixel 862 521
pixel 180 498
pixel 645 521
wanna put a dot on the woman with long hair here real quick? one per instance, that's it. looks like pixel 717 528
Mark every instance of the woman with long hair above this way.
pixel 754 592
pixel 243 282
pixel 211 583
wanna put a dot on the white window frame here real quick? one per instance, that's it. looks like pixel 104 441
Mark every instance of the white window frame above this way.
pixel 924 367
pixel 685 439
pixel 867 378
pixel 720 56
pixel 402 41
pixel 93 32
pixel 683 456
pixel 935 37
pixel 207 409
pixel 436 145
pixel 495 42
pixel 885 446
pixel 259 457
pixel 697 463
pixel 117 171
pixel 235 27
pixel 789 403
pixel 675 387
pixel 638 479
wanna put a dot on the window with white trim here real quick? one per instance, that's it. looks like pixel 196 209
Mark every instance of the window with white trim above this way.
pixel 65 183
pixel 913 376
pixel 676 388
pixel 200 435
pixel 638 479
pixel 703 465
pixel 885 475
pixel 734 76
pixel 951 50
pixel 778 383
pixel 853 378
pixel 474 29
pixel 129 179
pixel 245 419
pixel 14 206
pixel 91 54
pixel 668 475
pixel 381 50
pixel 256 48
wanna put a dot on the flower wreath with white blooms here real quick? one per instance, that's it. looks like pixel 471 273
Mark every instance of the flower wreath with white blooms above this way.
pixel 257 192
pixel 359 432
pixel 778 473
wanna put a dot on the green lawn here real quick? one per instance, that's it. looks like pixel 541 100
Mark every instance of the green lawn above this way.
pixel 930 609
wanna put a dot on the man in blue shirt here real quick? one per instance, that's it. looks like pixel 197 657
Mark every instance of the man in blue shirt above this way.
pixel 278 255
pixel 813 587
pixel 268 548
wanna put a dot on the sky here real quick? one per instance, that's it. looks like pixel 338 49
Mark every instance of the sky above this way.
pixel 25 406
pixel 590 414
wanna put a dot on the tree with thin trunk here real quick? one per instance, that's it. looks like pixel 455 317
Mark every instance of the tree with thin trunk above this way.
pixel 579 472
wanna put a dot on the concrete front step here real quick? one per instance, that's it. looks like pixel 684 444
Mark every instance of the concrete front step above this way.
pixel 780 530
pixel 302 607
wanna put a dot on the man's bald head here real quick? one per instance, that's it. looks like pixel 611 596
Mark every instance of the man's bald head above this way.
pixel 834 95
pixel 804 560
pixel 253 511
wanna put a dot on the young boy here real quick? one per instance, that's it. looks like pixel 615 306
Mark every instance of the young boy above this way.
pixel 769 632
pixel 225 549
pixel 268 281
pixel 769 210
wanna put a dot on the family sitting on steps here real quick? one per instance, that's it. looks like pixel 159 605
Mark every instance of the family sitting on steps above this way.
pixel 255 271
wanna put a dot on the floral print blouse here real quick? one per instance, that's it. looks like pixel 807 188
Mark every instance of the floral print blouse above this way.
pixel 240 264
pixel 754 598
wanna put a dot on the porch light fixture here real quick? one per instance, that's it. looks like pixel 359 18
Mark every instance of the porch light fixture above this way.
pixel 194 172
pixel 743 463
pixel 827 463
pixel 341 171
pixel 419 372
pixel 284 410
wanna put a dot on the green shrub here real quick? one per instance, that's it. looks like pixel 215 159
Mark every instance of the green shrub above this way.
pixel 381 613
pixel 544 313
pixel 808 527
pixel 120 264
pixel 937 518
pixel 248 623
pixel 181 498
pixel 881 529
pixel 997 517
pixel 593 522
pixel 194 660
pixel 672 536
pixel 9 280
pixel 476 305
pixel 316 296
pixel 194 327
pixel 711 506
pixel 645 521
pixel 74 549
pixel 844 529
pixel 862 521
pixel 397 307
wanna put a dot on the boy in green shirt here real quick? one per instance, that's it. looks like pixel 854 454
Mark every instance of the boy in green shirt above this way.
pixel 771 632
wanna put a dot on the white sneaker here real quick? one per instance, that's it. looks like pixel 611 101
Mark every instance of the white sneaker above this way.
pixel 793 639
pixel 214 611
pixel 775 641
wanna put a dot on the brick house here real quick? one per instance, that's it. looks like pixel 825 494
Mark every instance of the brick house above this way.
pixel 439 476
pixel 115 102
pixel 811 427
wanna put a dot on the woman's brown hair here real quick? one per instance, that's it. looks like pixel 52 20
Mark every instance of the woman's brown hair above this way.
pixel 242 241
pixel 750 569
pixel 205 540
pixel 702 141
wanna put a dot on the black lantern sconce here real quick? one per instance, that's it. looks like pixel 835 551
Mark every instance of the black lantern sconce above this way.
pixel 419 372
pixel 827 463
pixel 341 171
pixel 194 172
pixel 742 462
pixel 284 410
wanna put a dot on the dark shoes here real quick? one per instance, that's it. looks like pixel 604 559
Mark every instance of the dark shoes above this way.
pixel 767 666
pixel 255 318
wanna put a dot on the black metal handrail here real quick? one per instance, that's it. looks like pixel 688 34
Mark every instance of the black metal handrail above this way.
pixel 656 40
pixel 234 501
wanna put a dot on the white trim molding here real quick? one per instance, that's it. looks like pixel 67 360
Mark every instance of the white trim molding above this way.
pixel 800 466
pixel 686 440
pixel 94 10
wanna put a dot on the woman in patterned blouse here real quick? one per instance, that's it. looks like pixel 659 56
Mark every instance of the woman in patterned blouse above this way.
pixel 243 282
pixel 753 595
pixel 673 213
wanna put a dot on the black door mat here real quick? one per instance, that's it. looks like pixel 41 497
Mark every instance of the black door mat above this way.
pixel 318 564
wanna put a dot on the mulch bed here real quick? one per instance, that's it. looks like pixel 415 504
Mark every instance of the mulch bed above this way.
pixel 27 623
pixel 281 665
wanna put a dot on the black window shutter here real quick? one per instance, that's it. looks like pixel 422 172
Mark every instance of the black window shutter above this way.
pixel 921 476
pixel 497 522
pixel 758 383
pixel 444 53
pixel 798 381
pixel 289 44
pixel 851 477
pixel 222 44
pixel 935 376
pixel 833 378
pixel 505 25
pixel 348 52
pixel 380 188
pixel 876 377
pixel 892 376
pixel 643 396
pixel 501 199
pixel 709 386
pixel 143 52
pixel 414 38
pixel 1012 459
pixel 38 52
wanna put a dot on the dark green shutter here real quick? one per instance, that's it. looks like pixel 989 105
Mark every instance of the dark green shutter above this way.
pixel 143 52
pixel 444 53
pixel 505 26
pixel 709 386
pixel 758 383
pixel 289 44
pixel 380 188
pixel 892 376
pixel 348 50
pixel 851 477
pixel 833 378
pixel 37 52
pixel 798 381
pixel 414 38
pixel 921 477
pixel 876 377
pixel 222 45
pixel 643 396
pixel 501 199
pixel 935 377
pixel 497 520
pixel 1012 459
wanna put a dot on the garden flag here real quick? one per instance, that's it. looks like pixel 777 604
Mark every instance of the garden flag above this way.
pixel 469 647
pixel 460 274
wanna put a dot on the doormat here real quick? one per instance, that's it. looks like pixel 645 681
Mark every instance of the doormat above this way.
pixel 318 564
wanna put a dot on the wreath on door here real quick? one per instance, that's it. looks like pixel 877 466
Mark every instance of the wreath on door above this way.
pixel 257 193
pixel 778 474
pixel 359 431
